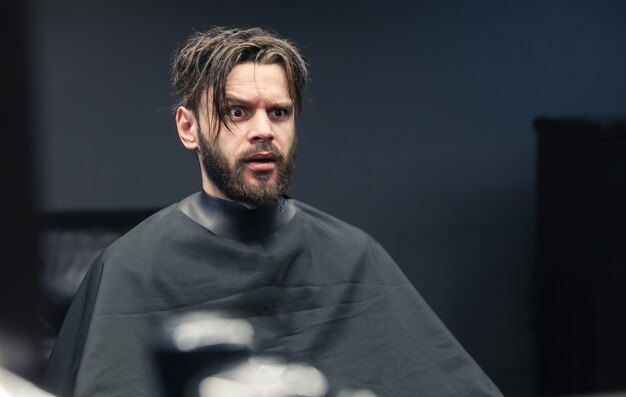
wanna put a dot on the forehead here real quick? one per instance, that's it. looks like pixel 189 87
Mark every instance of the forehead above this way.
pixel 254 81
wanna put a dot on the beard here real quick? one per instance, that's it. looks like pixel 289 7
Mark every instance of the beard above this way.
pixel 230 180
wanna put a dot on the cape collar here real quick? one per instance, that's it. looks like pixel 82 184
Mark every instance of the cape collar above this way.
pixel 231 220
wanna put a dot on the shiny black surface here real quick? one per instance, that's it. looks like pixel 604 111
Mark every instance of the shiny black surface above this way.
pixel 231 220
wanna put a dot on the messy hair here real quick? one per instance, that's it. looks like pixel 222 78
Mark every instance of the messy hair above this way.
pixel 202 64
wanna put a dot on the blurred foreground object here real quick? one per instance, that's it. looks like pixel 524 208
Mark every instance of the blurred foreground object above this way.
pixel 18 283
pixel 263 377
pixel 581 248
pixel 210 354
pixel 12 385
pixel 199 344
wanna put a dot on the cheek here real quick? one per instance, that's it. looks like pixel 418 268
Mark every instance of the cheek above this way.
pixel 288 134
pixel 228 148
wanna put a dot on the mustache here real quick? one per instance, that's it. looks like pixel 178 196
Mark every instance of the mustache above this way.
pixel 263 147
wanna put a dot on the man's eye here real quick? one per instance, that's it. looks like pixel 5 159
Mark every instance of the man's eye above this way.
pixel 236 112
pixel 279 113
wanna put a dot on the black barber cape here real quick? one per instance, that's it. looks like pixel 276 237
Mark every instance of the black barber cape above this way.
pixel 317 291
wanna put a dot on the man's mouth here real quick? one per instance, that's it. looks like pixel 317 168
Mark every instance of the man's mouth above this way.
pixel 261 162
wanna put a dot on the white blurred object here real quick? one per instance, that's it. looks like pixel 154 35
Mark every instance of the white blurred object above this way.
pixel 201 329
pixel 12 385
pixel 264 377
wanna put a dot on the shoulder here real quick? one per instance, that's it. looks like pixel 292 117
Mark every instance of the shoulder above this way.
pixel 331 231
pixel 339 242
pixel 321 221
pixel 152 233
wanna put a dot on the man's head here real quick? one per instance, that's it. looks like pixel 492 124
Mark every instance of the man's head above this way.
pixel 239 93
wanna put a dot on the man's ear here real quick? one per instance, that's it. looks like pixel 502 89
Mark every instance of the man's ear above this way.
pixel 187 125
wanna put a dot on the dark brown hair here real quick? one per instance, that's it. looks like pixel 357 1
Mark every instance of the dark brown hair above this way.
pixel 203 62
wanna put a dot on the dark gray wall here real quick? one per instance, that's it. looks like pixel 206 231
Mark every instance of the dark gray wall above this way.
pixel 418 129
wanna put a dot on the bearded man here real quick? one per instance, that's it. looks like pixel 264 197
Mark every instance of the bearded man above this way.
pixel 315 289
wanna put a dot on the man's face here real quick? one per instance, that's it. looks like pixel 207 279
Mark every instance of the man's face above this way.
pixel 252 163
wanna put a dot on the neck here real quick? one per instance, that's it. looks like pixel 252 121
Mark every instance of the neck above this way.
pixel 233 220
pixel 213 191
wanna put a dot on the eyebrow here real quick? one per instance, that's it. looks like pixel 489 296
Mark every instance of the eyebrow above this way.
pixel 230 98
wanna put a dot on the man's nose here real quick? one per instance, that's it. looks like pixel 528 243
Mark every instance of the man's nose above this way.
pixel 261 128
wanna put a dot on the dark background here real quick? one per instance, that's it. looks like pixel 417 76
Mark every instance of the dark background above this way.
pixel 418 129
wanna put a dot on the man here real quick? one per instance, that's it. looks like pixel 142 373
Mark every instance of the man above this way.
pixel 315 289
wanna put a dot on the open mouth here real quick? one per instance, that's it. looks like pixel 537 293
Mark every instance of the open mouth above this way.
pixel 263 157
pixel 264 161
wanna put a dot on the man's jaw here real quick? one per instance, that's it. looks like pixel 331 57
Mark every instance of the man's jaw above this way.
pixel 259 176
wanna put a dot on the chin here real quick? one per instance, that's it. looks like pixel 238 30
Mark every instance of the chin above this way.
pixel 259 179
